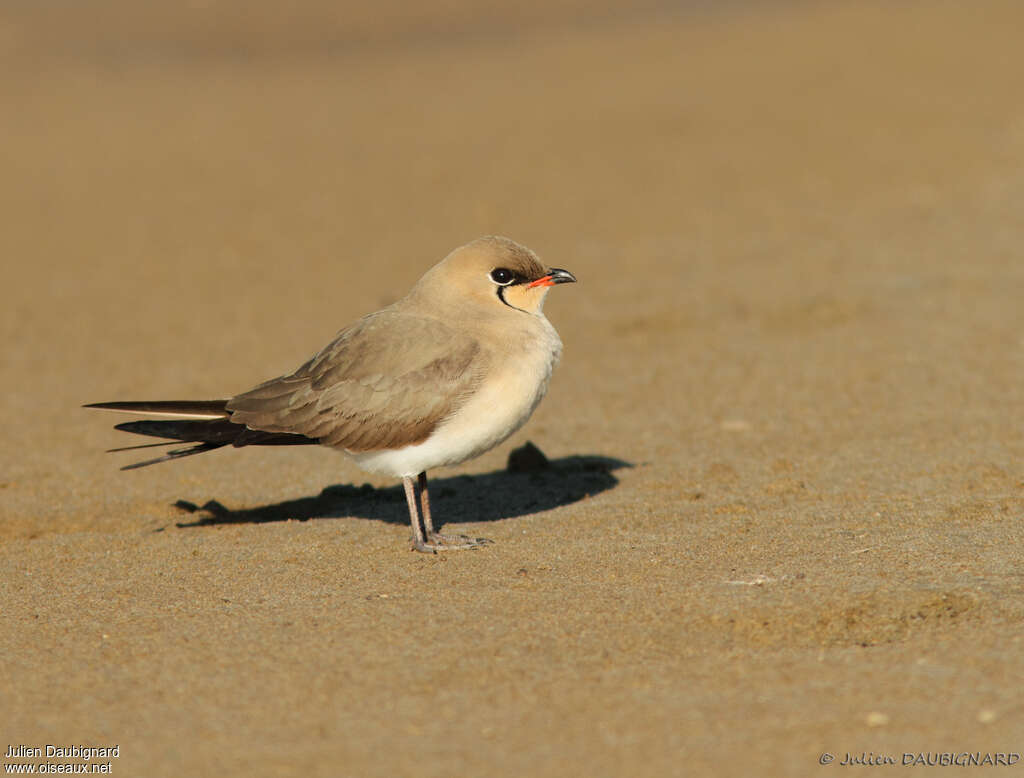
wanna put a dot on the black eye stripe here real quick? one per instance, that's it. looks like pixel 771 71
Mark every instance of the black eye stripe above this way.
pixel 501 296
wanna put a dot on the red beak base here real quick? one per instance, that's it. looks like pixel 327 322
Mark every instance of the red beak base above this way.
pixel 555 276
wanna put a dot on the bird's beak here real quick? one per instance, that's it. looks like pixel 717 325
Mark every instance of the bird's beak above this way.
pixel 554 276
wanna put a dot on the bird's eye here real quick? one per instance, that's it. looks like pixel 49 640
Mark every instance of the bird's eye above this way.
pixel 502 276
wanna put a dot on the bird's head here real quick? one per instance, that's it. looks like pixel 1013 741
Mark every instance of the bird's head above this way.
pixel 492 271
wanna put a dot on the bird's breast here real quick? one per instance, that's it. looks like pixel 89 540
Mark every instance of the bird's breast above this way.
pixel 519 370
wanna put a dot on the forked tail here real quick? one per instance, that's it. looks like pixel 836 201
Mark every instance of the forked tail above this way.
pixel 207 423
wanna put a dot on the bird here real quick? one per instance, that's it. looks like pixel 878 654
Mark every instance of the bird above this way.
pixel 443 375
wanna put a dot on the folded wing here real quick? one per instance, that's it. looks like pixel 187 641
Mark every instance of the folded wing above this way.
pixel 386 382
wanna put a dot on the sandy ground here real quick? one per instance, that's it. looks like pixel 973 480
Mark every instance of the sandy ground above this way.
pixel 783 516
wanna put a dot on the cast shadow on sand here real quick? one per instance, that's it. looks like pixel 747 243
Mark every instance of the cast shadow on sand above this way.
pixel 502 494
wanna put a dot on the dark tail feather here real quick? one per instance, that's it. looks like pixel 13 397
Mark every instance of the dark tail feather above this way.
pixel 144 445
pixel 213 431
pixel 205 423
pixel 178 453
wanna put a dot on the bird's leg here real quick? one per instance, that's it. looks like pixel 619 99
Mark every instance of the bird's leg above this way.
pixel 419 542
pixel 436 540
pixel 428 522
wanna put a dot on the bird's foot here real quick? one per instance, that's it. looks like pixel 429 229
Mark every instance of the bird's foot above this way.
pixel 438 542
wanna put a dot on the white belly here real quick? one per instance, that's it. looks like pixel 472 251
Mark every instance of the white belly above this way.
pixel 499 407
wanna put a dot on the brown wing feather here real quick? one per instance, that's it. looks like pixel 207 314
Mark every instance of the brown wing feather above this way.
pixel 385 382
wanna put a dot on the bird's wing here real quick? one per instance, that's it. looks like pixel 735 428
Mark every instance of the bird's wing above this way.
pixel 385 382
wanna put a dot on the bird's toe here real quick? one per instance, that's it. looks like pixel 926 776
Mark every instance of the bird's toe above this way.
pixel 440 542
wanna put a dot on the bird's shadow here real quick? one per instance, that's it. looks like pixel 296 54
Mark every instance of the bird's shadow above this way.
pixel 501 494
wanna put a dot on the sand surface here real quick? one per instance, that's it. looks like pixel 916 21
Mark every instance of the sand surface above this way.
pixel 784 512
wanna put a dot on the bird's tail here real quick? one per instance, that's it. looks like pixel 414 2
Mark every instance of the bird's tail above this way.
pixel 207 423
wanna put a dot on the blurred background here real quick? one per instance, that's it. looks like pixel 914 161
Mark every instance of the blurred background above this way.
pixel 772 207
